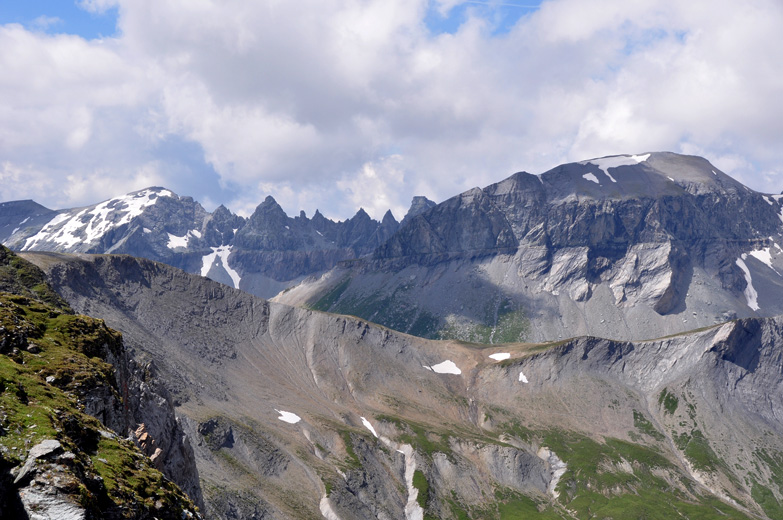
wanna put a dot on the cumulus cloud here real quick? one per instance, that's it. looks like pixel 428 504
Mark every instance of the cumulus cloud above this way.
pixel 341 104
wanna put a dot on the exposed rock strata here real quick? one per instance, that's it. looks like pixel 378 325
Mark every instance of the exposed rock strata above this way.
pixel 650 247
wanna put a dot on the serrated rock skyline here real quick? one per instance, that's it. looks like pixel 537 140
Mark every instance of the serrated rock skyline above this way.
pixel 262 254
pixel 625 246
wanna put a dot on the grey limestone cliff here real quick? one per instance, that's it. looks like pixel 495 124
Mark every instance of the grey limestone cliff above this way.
pixel 624 247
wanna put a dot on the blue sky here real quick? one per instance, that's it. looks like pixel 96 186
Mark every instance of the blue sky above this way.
pixel 501 15
pixel 63 16
pixel 341 104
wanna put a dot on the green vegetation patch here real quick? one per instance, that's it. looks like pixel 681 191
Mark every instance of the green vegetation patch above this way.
pixel 668 401
pixel 18 276
pixel 353 460
pixel 774 462
pixel 766 499
pixel 697 450
pixel 597 483
pixel 420 483
pixel 421 437
pixel 515 429
pixel 395 311
pixel 425 325
pixel 513 505
pixel 641 423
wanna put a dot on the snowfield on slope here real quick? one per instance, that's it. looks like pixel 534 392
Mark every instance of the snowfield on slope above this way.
pixel 288 417
pixel 750 293
pixel 500 356
pixel 446 367
pixel 65 229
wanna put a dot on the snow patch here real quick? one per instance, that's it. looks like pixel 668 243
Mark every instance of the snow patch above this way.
pixel 445 367
pixel 768 200
pixel 413 510
pixel 326 509
pixel 367 425
pixel 764 256
pixel 522 377
pixel 288 417
pixel 219 256
pixel 750 293
pixel 557 466
pixel 613 162
pixel 670 178
pixel 591 177
pixel 175 241
pixel 500 356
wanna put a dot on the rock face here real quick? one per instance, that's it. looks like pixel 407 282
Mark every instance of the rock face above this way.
pixel 262 254
pixel 625 247
pixel 419 205
pixel 300 414
pixel 70 377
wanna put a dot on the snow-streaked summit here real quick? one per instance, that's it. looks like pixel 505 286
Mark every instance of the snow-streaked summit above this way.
pixel 81 229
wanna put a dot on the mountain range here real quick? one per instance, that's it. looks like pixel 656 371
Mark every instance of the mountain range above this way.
pixel 461 370
pixel 261 254
pixel 627 247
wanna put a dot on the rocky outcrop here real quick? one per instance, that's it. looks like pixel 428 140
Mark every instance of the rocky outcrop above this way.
pixel 158 431
pixel 83 373
pixel 419 204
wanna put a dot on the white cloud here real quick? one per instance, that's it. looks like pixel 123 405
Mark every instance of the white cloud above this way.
pixel 375 188
pixel 94 185
pixel 97 6
pixel 338 104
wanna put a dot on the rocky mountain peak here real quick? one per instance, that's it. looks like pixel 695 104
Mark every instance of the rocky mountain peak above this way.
pixel 637 176
pixel 361 215
pixel 221 212
pixel 388 219
pixel 268 207
pixel 419 204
